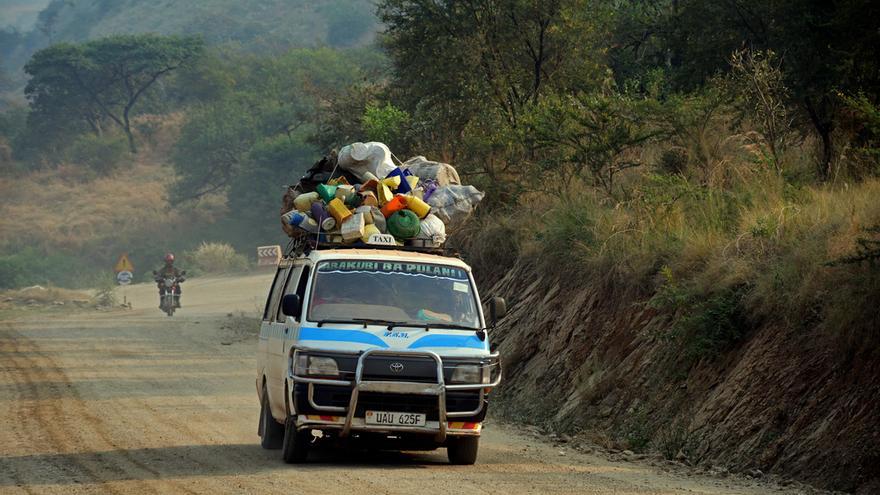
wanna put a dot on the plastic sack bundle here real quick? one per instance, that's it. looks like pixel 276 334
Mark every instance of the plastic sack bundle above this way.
pixel 366 160
pixel 454 204
pixel 444 173
pixel 432 230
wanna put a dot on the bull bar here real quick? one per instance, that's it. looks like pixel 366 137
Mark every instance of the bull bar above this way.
pixel 438 389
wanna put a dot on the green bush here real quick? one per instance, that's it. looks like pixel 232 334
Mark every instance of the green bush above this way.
pixel 216 257
pixel 570 226
pixel 31 267
pixel 104 284
pixel 386 124
pixel 673 161
pixel 703 323
pixel 674 439
pixel 103 155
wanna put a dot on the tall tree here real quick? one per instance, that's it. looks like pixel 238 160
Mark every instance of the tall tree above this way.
pixel 824 47
pixel 103 80
pixel 506 52
pixel 272 100
pixel 466 72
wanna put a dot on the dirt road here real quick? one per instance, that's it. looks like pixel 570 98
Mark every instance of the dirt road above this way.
pixel 136 402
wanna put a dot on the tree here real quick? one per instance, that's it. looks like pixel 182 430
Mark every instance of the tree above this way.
pixel 758 78
pixel 103 80
pixel 506 53
pixel 213 145
pixel 824 47
pixel 272 100
pixel 468 72
pixel 590 135
pixel 387 124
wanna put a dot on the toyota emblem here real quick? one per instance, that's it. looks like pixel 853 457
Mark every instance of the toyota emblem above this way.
pixel 396 367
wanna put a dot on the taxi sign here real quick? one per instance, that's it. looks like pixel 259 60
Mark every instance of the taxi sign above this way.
pixel 124 277
pixel 382 239
pixel 124 264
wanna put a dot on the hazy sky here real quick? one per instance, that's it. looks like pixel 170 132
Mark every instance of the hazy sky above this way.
pixel 20 13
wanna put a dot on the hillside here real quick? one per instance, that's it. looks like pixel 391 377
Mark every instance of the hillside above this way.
pixel 258 26
pixel 68 225
pixel 255 24
pixel 789 397
pixel 20 14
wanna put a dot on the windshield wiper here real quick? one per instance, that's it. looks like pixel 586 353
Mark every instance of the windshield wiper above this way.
pixel 370 321
pixel 429 325
pixel 361 321
pixel 321 322
pixel 391 324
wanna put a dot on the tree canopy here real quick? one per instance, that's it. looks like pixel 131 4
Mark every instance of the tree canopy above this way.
pixel 102 81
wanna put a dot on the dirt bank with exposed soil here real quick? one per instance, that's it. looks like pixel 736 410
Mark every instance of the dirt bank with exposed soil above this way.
pixel 785 399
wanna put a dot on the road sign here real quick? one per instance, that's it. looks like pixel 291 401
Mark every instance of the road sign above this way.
pixel 124 264
pixel 124 277
pixel 268 255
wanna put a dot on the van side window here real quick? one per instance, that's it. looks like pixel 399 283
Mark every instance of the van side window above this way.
pixel 303 283
pixel 301 286
pixel 277 290
pixel 266 310
pixel 292 277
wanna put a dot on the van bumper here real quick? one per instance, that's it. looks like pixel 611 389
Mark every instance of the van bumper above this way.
pixel 450 409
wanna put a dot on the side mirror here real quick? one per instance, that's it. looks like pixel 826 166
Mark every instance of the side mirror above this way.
pixel 155 272
pixel 183 273
pixel 291 305
pixel 497 309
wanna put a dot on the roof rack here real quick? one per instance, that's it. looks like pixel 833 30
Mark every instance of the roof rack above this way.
pixel 304 245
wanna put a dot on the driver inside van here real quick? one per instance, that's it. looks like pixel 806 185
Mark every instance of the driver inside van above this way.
pixel 445 307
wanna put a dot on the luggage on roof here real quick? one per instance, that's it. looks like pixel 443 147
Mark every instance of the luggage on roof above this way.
pixel 359 196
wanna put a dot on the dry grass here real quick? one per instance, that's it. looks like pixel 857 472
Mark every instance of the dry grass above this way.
pixel 44 296
pixel 68 209
pixel 51 209
pixel 759 236
pixel 241 326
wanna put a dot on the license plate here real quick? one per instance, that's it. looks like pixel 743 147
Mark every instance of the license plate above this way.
pixel 385 418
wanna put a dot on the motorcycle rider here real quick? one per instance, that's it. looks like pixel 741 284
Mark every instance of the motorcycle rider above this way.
pixel 169 271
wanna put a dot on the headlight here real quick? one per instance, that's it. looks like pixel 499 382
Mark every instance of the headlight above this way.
pixel 467 373
pixel 315 366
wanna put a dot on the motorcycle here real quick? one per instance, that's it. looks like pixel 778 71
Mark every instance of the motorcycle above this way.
pixel 169 292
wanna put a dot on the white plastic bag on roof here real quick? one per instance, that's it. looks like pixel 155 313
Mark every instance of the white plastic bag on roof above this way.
pixel 444 173
pixel 432 229
pixel 360 158
pixel 454 204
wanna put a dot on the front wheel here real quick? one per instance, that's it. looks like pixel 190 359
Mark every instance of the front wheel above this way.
pixel 462 450
pixel 295 448
pixel 271 432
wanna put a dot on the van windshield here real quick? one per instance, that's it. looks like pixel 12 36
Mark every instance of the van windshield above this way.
pixel 413 293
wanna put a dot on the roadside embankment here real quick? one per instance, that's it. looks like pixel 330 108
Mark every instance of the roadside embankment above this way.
pixel 783 400
pixel 749 343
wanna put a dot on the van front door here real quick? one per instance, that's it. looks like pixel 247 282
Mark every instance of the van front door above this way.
pixel 274 341
pixel 299 281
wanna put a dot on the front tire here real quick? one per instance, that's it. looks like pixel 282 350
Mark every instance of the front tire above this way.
pixel 462 450
pixel 295 448
pixel 271 432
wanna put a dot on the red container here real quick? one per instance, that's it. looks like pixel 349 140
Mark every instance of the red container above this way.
pixel 397 203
